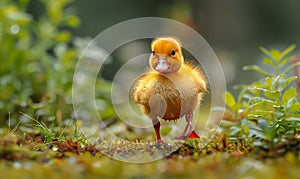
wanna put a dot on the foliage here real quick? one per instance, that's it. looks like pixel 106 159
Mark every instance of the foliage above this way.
pixel 36 60
pixel 53 132
pixel 266 110
pixel 38 57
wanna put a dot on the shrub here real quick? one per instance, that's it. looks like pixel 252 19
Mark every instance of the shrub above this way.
pixel 37 59
pixel 266 111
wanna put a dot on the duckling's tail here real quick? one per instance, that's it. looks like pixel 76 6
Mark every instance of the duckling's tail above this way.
pixel 193 135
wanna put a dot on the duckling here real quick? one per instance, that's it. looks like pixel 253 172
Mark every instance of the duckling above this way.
pixel 171 88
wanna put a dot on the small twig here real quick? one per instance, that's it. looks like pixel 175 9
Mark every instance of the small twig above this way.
pixel 295 60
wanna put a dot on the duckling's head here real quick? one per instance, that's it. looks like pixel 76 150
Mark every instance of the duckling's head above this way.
pixel 166 55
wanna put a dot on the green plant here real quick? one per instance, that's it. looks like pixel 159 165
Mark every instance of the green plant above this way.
pixel 36 60
pixel 268 109
pixel 38 56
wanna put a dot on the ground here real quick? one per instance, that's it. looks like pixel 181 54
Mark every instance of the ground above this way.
pixel 30 157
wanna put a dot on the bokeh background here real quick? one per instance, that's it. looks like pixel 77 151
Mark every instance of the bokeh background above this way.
pixel 41 41
pixel 234 29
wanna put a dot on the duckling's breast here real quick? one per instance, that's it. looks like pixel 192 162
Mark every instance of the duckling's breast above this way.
pixel 168 98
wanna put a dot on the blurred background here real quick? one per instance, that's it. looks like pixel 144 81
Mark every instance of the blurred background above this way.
pixel 234 29
pixel 41 41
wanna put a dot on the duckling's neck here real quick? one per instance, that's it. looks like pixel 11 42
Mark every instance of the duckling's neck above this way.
pixel 180 72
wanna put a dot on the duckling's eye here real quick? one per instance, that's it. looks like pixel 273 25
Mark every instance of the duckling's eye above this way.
pixel 173 52
pixel 153 52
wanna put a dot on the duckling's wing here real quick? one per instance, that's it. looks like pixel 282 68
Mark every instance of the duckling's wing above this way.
pixel 199 78
pixel 138 90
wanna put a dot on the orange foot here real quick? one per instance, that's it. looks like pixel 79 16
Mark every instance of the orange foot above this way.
pixel 192 135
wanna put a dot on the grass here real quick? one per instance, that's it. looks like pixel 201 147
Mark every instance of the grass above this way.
pixel 29 155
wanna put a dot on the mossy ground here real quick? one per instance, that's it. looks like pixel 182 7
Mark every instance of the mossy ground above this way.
pixel 29 157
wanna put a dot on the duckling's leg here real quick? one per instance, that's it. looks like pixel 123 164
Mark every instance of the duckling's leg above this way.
pixel 158 108
pixel 188 130
pixel 156 125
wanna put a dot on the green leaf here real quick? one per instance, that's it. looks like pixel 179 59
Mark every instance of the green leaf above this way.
pixel 260 105
pixel 285 60
pixel 268 81
pixel 251 126
pixel 245 104
pixel 260 87
pixel 278 115
pixel 275 54
pixel 264 100
pixel 229 99
pixel 261 112
pixel 227 123
pixel 295 107
pixel 235 130
pixel 268 131
pixel 236 107
pixel 287 95
pixel 290 103
pixel 291 67
pixel 268 61
pixel 297 119
pixel 257 69
pixel 287 82
pixel 272 94
pixel 276 80
pixel 257 134
pixel 263 125
pixel 287 50
pixel 265 51
pixel 245 129
pixel 256 116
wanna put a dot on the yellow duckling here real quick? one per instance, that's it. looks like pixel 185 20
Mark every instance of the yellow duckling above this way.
pixel 171 88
